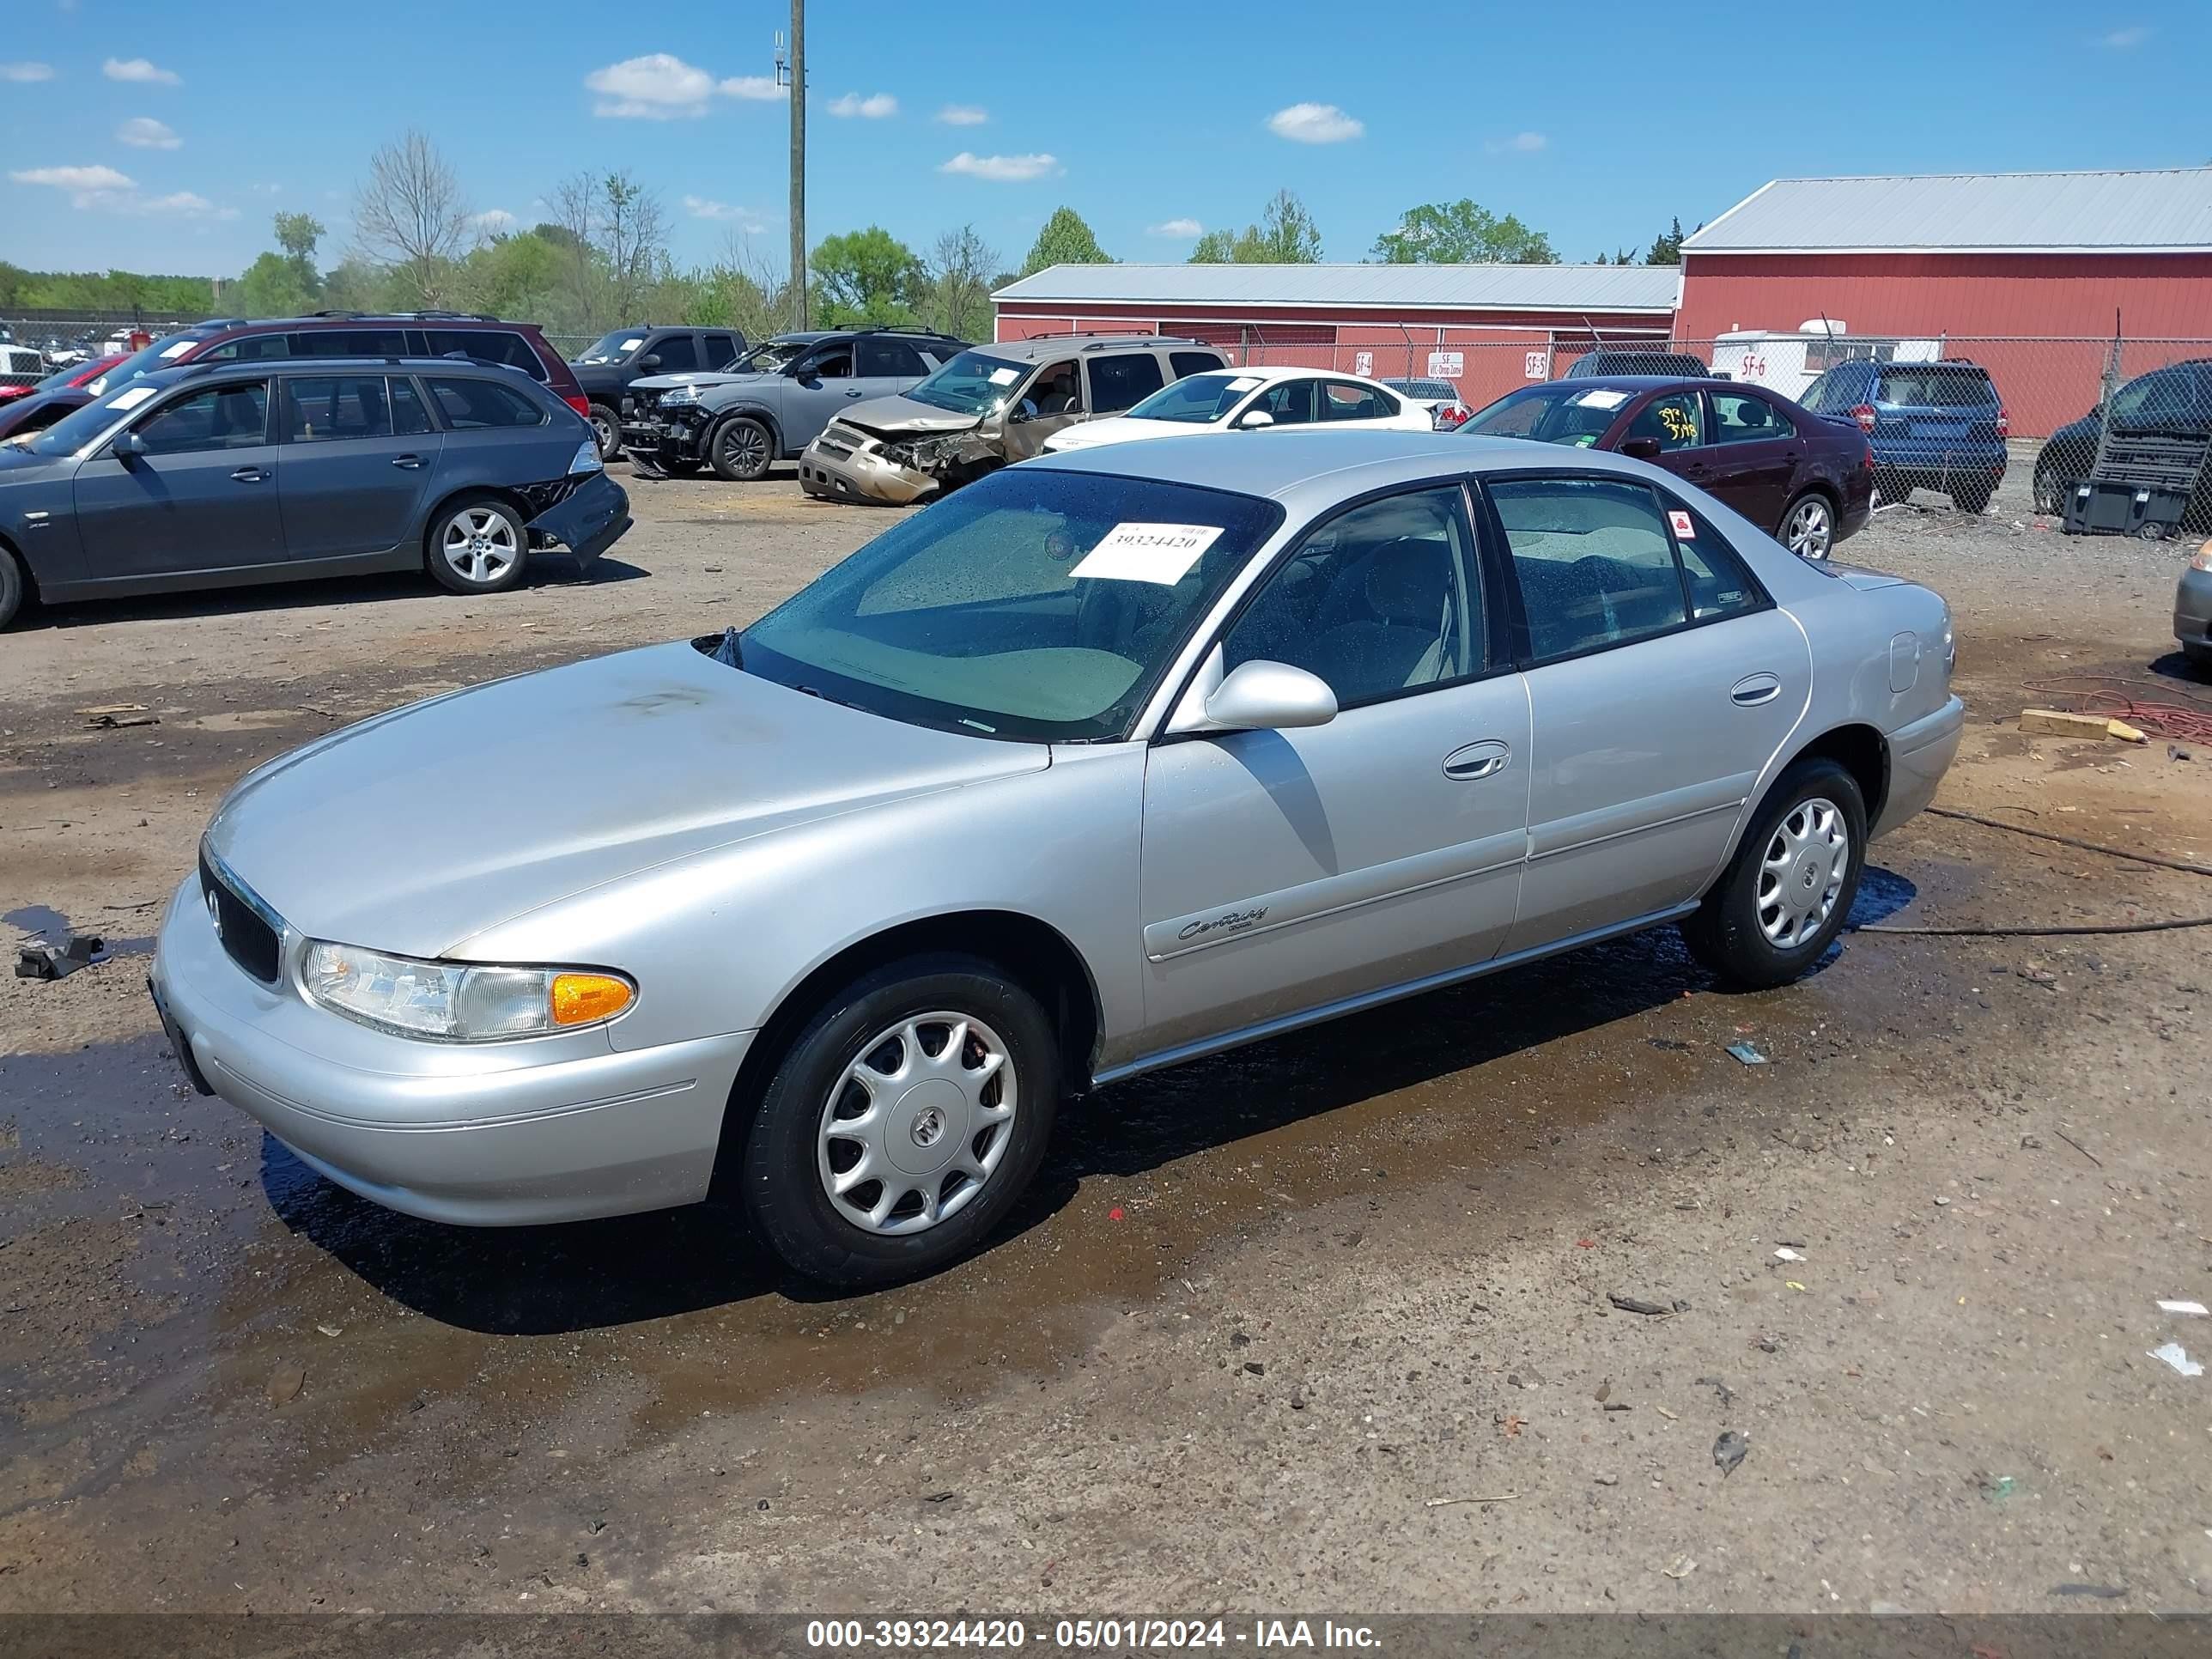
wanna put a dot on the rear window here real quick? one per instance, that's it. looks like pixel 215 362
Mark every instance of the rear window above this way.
pixel 1934 386
pixel 488 346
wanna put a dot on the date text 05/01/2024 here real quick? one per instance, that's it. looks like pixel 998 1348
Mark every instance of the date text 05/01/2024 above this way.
pixel 1087 1635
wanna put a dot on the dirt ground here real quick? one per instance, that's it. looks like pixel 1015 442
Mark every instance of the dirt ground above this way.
pixel 1322 1323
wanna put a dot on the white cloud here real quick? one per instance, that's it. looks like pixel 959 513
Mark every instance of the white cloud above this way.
pixel 1181 229
pixel 2134 36
pixel 1004 169
pixel 495 220
pixel 699 207
pixel 26 72
pixel 1521 143
pixel 657 87
pixel 93 177
pixel 145 132
pixel 874 107
pixel 139 69
pixel 757 89
pixel 1315 123
pixel 964 115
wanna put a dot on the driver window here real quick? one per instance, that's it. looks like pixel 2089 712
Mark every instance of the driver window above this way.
pixel 833 363
pixel 1378 600
pixel 220 417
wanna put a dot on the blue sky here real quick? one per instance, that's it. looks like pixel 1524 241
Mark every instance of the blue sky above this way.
pixel 160 135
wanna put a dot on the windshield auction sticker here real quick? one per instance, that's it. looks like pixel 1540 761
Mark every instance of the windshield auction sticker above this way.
pixel 1162 553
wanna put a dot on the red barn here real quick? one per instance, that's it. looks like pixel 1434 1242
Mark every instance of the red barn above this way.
pixel 2029 273
pixel 1487 329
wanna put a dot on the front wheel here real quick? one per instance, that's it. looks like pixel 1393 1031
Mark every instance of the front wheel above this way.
pixel 477 546
pixel 606 431
pixel 1784 896
pixel 903 1122
pixel 740 450
pixel 11 587
pixel 2050 493
pixel 1809 526
pixel 1973 497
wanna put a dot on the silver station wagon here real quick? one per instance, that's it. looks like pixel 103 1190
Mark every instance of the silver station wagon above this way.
pixel 1104 762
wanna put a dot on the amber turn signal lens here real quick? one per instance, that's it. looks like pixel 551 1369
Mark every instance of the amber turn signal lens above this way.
pixel 580 998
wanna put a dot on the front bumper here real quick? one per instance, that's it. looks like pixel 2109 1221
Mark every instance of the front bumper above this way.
pixel 2192 608
pixel 683 440
pixel 1919 754
pixel 845 465
pixel 482 1134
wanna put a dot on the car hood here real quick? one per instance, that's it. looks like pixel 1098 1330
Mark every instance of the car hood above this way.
pixel 418 829
pixel 1121 429
pixel 698 377
pixel 903 417
pixel 18 466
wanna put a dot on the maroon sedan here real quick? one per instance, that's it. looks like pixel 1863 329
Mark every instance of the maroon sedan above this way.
pixel 1808 477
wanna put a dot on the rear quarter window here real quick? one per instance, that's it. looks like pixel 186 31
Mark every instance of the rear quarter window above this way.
pixel 1195 363
pixel 488 346
pixel 467 404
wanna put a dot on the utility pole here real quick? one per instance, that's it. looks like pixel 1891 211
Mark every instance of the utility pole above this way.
pixel 793 75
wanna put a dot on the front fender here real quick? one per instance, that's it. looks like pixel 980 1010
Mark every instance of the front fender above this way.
pixel 750 410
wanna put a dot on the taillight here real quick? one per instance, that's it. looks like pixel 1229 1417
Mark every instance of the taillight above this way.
pixel 581 404
pixel 1866 458
pixel 2004 423
pixel 1864 414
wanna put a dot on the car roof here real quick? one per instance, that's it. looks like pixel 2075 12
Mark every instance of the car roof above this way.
pixel 1628 382
pixel 1293 462
pixel 506 373
pixel 1038 349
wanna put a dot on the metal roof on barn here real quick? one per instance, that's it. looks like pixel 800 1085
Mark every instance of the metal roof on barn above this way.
pixel 2151 211
pixel 1358 287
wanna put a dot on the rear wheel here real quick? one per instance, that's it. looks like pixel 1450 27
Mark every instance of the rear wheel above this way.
pixel 1973 497
pixel 740 450
pixel 477 545
pixel 903 1122
pixel 606 431
pixel 11 587
pixel 1809 526
pixel 2199 658
pixel 2050 493
pixel 1786 893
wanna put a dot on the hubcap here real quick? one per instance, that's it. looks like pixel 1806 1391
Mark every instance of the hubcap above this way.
pixel 918 1123
pixel 480 543
pixel 745 447
pixel 1809 531
pixel 1802 873
pixel 603 430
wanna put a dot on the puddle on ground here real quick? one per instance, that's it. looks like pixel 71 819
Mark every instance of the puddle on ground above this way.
pixel 222 1262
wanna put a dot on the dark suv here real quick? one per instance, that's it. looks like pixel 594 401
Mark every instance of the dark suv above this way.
pixel 1675 365
pixel 359 334
pixel 2174 402
pixel 1934 426
pixel 625 355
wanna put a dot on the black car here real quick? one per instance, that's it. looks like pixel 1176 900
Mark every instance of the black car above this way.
pixel 214 474
pixel 625 355
pixel 1610 360
pixel 2173 402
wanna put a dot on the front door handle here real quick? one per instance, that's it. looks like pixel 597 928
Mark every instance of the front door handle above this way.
pixel 1753 689
pixel 1484 759
pixel 249 475
pixel 410 462
pixel 855 392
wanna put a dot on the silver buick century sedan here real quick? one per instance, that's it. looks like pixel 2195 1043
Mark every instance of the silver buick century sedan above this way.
pixel 1104 762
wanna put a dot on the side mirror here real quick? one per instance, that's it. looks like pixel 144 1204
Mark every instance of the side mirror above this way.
pixel 1252 419
pixel 1271 696
pixel 126 447
pixel 1641 449
pixel 650 362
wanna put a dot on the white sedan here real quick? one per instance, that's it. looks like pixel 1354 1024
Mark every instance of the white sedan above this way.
pixel 1243 400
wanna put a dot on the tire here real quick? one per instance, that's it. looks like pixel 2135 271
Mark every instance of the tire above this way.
pixel 791 1159
pixel 476 545
pixel 1808 525
pixel 1814 800
pixel 11 587
pixel 1973 497
pixel 741 450
pixel 685 468
pixel 2050 493
pixel 606 431
pixel 2199 657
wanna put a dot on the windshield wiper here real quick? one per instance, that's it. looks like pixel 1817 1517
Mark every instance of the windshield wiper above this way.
pixel 730 653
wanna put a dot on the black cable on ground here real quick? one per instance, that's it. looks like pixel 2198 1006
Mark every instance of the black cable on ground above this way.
pixel 2167 925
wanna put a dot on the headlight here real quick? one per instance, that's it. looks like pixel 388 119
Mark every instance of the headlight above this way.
pixel 2204 558
pixel 680 394
pixel 458 1002
pixel 586 459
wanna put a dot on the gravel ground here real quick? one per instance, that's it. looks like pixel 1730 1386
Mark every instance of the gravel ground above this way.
pixel 1325 1322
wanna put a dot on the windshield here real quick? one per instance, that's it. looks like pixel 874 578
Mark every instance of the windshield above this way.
pixel 1197 400
pixel 1556 413
pixel 159 354
pixel 613 348
pixel 971 384
pixel 81 426
pixel 59 378
pixel 2164 399
pixel 769 357
pixel 1035 605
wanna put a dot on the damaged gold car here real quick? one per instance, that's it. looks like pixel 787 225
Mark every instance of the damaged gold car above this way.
pixel 988 407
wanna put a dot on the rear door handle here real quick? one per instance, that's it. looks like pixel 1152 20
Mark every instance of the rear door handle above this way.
pixel 249 475
pixel 410 462
pixel 1753 689
pixel 1484 759
pixel 855 392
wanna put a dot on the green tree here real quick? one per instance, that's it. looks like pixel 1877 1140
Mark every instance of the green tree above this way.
pixel 1285 235
pixel 1461 233
pixel 1666 249
pixel 868 276
pixel 513 275
pixel 1064 241
pixel 286 283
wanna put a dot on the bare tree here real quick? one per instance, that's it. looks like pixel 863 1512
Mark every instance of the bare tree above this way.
pixel 412 215
pixel 574 203
pixel 960 267
pixel 633 240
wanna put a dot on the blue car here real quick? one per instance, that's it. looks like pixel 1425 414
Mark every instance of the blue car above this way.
pixel 1933 426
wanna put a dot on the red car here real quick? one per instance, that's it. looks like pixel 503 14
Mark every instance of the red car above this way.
pixel 35 408
pixel 1808 478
